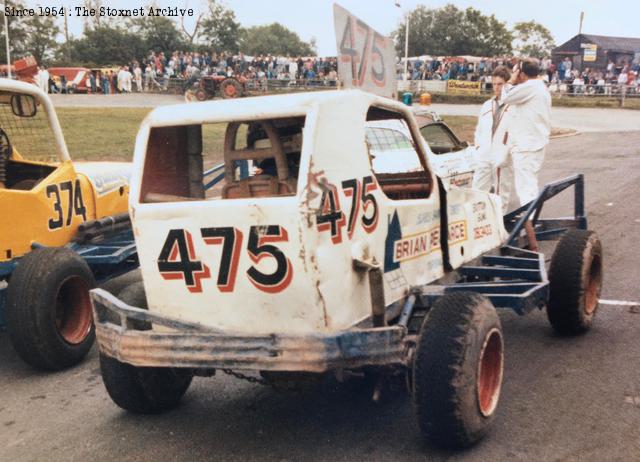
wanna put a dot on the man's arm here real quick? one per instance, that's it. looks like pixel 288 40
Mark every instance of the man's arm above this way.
pixel 517 94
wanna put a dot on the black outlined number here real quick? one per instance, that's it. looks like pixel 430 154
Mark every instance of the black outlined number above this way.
pixel 75 204
pixel 330 216
pixel 177 260
pixel 231 240
pixel 352 189
pixel 347 49
pixel 52 189
pixel 68 187
pixel 259 247
pixel 369 222
pixel 363 59
pixel 78 202
pixel 378 77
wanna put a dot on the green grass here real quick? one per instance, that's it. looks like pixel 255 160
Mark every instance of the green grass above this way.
pixel 109 133
pixel 564 101
pixel 463 126
pixel 101 133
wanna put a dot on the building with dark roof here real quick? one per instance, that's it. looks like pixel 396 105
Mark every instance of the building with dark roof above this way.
pixel 595 51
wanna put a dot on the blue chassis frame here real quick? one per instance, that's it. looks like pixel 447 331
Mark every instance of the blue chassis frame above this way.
pixel 512 277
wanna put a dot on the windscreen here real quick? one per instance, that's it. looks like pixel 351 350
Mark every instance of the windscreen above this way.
pixel 30 137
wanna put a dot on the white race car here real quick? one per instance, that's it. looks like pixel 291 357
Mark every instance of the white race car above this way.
pixel 326 260
pixel 391 147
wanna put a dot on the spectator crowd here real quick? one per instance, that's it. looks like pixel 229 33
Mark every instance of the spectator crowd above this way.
pixel 621 77
pixel 157 71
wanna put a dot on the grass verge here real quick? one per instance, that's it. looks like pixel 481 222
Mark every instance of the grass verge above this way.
pixel 109 133
pixel 564 101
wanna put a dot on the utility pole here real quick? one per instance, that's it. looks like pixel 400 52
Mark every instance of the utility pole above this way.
pixel 6 38
pixel 66 37
pixel 581 19
pixel 406 43
pixel 406 48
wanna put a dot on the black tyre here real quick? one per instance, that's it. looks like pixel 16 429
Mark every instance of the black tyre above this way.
pixel 575 281
pixel 143 390
pixel 230 88
pixel 458 370
pixel 48 312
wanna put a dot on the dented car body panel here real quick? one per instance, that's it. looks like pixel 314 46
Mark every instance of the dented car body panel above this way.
pixel 265 265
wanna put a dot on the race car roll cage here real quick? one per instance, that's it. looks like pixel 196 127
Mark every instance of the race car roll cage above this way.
pixel 510 276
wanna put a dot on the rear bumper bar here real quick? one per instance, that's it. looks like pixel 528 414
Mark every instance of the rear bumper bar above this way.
pixel 193 346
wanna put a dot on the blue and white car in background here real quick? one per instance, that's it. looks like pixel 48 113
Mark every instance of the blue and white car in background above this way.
pixel 390 146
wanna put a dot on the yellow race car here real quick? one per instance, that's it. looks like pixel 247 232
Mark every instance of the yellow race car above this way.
pixel 45 199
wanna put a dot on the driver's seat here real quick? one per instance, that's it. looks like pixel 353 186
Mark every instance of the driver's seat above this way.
pixel 258 185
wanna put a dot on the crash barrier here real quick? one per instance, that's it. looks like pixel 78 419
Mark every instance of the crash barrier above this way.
pixel 610 89
pixel 563 89
pixel 179 86
pixel 417 87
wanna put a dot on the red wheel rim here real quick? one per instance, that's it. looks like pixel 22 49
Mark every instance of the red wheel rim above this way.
pixel 230 90
pixel 490 366
pixel 73 310
pixel 594 283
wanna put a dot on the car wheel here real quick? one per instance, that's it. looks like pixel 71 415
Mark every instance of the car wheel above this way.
pixel 575 282
pixel 458 369
pixel 142 390
pixel 49 316
pixel 230 88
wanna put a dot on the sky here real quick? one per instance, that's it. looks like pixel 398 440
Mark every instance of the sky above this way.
pixel 314 18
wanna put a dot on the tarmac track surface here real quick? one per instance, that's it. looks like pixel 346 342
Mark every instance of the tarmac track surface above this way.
pixel 562 398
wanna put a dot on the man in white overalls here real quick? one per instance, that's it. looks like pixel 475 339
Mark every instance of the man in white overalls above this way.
pixel 529 103
pixel 493 170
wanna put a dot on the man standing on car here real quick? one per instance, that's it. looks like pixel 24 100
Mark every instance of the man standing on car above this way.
pixel 492 142
pixel 530 127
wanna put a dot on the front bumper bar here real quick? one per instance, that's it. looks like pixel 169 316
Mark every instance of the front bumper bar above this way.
pixel 189 345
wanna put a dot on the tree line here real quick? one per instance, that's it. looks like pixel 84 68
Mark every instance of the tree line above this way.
pixel 118 40
pixel 445 31
pixel 450 31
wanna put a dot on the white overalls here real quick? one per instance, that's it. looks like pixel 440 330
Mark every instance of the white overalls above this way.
pixel 529 127
pixel 493 167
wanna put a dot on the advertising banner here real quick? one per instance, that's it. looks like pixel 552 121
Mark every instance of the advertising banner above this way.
pixel 463 87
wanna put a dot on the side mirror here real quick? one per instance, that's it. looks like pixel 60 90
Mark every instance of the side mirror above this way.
pixel 23 105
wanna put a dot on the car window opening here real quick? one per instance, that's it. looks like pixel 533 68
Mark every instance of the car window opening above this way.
pixel 260 158
pixel 27 154
pixel 396 161
pixel 440 139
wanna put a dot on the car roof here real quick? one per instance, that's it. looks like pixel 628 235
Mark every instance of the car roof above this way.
pixel 261 107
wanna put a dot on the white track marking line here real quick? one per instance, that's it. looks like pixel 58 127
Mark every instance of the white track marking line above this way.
pixel 618 302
